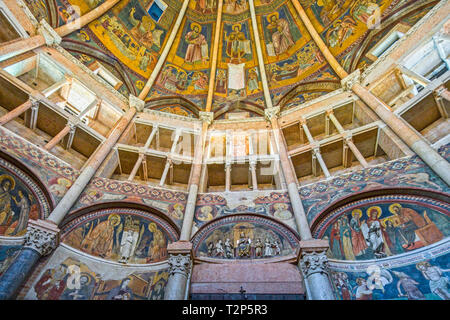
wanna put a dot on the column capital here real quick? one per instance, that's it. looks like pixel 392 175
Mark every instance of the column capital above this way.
pixel 50 35
pixel 270 113
pixel 302 121
pixel 180 257
pixel 347 136
pixel 34 101
pixel 205 116
pixel 350 80
pixel 136 103
pixel 329 111
pixel 313 258
pixel 42 236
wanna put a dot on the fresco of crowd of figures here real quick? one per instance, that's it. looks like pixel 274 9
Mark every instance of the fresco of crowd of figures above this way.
pixel 244 237
pixel 385 226
pixel 122 235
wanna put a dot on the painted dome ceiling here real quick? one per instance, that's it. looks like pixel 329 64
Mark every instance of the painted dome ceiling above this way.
pixel 129 39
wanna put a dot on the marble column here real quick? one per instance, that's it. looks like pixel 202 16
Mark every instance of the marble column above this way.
pixel 60 136
pixel 186 229
pixel 291 180
pixel 180 263
pixel 313 263
pixel 316 280
pixel 41 239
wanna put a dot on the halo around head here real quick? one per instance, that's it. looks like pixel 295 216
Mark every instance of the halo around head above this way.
pixel 275 14
pixel 194 24
pixel 237 25
pixel 4 177
pixel 116 219
pixel 378 209
pixel 357 212
pixel 394 205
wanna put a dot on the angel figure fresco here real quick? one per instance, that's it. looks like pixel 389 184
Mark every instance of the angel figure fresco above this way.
pixel 236 47
pixel 281 37
pixel 197 50
pixel 144 30
pixel 340 31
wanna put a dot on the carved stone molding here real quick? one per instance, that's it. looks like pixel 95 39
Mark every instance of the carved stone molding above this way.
pixel 314 262
pixel 179 263
pixel 353 78
pixel 270 113
pixel 136 103
pixel 41 236
pixel 50 35
pixel 313 258
pixel 207 117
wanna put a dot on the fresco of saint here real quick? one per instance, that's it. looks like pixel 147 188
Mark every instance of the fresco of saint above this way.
pixel 197 49
pixel 236 44
pixel 281 37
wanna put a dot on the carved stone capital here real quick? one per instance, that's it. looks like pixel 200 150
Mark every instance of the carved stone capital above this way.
pixel 50 35
pixel 42 236
pixel 270 113
pixel 353 78
pixel 207 117
pixel 313 258
pixel 180 257
pixel 137 103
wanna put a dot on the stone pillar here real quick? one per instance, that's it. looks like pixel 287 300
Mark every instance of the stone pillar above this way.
pixel 136 167
pixel 261 65
pixel 180 262
pixel 186 229
pixel 289 175
pixel 56 139
pixel 252 167
pixel 18 110
pixel 215 54
pixel 314 266
pixel 347 139
pixel 41 239
pixel 227 176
